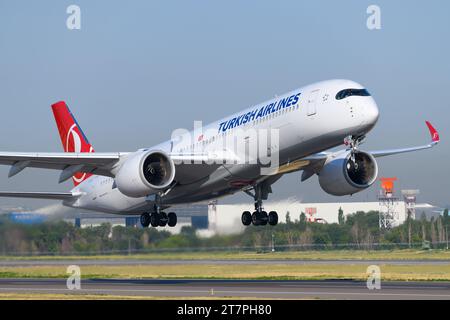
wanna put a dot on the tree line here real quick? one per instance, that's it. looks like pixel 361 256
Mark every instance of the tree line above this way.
pixel 355 231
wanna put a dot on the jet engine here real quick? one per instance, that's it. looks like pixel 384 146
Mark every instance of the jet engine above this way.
pixel 145 173
pixel 348 173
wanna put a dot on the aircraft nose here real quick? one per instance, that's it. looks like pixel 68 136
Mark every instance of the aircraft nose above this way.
pixel 371 112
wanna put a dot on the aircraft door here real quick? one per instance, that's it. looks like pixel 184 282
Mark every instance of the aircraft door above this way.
pixel 312 103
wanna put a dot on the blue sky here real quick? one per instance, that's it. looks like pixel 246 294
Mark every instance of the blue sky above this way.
pixel 137 70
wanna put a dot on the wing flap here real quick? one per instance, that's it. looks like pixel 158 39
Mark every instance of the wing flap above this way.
pixel 59 159
pixel 40 195
pixel 98 163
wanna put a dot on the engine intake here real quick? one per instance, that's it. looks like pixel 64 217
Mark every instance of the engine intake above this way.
pixel 145 173
pixel 156 169
pixel 344 176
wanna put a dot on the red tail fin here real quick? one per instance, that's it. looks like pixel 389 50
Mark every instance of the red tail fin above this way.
pixel 72 137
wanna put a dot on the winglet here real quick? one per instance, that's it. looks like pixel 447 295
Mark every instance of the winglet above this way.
pixel 433 132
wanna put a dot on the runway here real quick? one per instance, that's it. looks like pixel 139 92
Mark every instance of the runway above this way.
pixel 235 289
pixel 247 289
pixel 122 262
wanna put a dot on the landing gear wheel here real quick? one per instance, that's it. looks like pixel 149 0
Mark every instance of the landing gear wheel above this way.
pixel 273 218
pixel 154 219
pixel 259 218
pixel 255 220
pixel 145 220
pixel 246 218
pixel 172 219
pixel 263 218
pixel 163 219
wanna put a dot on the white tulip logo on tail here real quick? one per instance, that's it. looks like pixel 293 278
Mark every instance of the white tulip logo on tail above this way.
pixel 74 144
pixel 75 138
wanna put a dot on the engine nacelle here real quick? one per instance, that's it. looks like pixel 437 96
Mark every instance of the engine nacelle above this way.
pixel 341 176
pixel 145 173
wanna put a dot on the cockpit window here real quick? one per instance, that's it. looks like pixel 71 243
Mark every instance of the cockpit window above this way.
pixel 351 92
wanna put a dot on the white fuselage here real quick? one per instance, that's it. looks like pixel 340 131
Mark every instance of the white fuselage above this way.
pixel 313 122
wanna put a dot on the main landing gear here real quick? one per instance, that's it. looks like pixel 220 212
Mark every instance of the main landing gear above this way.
pixel 158 218
pixel 259 217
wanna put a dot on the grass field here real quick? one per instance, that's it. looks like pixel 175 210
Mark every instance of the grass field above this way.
pixel 235 271
pixel 60 296
pixel 405 254
pixel 217 271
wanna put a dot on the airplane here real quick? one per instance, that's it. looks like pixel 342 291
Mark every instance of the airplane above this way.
pixel 197 166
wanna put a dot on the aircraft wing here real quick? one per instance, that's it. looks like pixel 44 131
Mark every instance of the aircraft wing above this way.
pixel 313 163
pixel 40 195
pixel 434 141
pixel 68 162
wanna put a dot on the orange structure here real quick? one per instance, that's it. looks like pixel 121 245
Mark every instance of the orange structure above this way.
pixel 387 186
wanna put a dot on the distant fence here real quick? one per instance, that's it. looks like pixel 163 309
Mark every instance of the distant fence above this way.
pixel 269 248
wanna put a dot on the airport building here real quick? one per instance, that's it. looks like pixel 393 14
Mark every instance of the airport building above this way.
pixel 226 218
pixel 221 219
pixel 195 215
